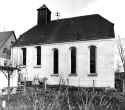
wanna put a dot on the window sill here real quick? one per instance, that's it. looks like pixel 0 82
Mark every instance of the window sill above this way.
pixel 23 66
pixel 37 66
pixel 56 75
pixel 73 74
pixel 92 74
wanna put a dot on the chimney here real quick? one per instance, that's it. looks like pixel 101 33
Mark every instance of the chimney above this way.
pixel 44 15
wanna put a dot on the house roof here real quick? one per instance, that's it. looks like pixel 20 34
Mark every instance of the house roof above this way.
pixel 4 36
pixel 88 27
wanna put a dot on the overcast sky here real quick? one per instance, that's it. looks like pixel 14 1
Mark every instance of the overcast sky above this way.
pixel 21 15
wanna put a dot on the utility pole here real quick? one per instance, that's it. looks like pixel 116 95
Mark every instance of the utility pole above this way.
pixel 8 78
pixel 93 83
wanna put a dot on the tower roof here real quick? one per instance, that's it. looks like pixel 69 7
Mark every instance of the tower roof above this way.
pixel 43 7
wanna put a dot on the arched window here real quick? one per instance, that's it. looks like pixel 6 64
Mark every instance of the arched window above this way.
pixel 38 55
pixel 24 56
pixel 55 63
pixel 73 60
pixel 92 59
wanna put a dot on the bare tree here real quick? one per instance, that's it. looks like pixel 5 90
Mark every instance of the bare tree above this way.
pixel 8 70
pixel 121 51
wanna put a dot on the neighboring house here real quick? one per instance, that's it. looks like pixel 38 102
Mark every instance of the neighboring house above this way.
pixel 78 50
pixel 7 39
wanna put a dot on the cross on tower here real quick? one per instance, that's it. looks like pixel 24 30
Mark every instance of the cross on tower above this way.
pixel 57 15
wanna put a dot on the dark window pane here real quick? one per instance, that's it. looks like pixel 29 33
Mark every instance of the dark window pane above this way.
pixel 38 55
pixel 73 60
pixel 92 59
pixel 55 61
pixel 24 56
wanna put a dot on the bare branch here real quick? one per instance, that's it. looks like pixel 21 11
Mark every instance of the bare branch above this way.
pixel 121 51
pixel 5 74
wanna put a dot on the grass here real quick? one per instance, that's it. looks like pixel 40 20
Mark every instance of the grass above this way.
pixel 66 98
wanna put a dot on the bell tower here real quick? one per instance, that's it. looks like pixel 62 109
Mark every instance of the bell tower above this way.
pixel 44 15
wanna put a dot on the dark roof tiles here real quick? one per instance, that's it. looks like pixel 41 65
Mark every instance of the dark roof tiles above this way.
pixel 5 36
pixel 89 27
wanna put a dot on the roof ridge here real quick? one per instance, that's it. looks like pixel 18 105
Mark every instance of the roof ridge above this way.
pixel 6 31
pixel 56 30
pixel 71 18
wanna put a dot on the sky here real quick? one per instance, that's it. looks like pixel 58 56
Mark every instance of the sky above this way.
pixel 21 15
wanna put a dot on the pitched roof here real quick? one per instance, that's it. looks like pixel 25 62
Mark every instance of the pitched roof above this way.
pixel 4 36
pixel 43 6
pixel 88 27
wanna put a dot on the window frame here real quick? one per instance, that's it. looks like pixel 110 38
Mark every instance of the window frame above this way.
pixel 55 61
pixel 38 55
pixel 93 60
pixel 73 61
pixel 24 52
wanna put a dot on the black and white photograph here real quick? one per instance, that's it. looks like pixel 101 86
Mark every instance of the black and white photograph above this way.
pixel 62 55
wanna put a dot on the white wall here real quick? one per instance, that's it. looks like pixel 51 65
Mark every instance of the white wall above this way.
pixel 105 63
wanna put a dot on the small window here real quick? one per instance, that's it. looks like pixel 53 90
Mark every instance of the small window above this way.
pixel 38 55
pixel 73 60
pixel 24 56
pixel 12 42
pixel 92 59
pixel 55 63
pixel 7 52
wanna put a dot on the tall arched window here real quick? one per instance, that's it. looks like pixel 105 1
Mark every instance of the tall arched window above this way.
pixel 92 59
pixel 38 55
pixel 73 60
pixel 24 56
pixel 55 63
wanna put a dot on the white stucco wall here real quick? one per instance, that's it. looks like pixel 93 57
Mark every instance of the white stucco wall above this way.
pixel 105 63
